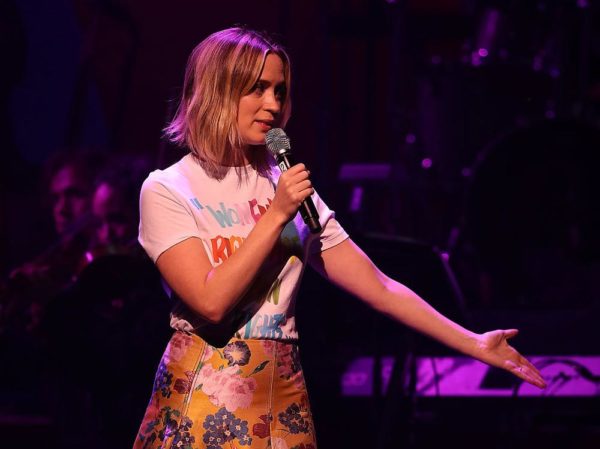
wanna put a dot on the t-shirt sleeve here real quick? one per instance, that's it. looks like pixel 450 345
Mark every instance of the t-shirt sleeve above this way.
pixel 332 234
pixel 165 219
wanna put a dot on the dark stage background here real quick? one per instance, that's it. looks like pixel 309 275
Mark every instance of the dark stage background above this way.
pixel 457 140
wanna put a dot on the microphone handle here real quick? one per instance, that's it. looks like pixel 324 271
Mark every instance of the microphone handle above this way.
pixel 308 211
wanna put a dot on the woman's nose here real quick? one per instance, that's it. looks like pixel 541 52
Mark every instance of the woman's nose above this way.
pixel 272 103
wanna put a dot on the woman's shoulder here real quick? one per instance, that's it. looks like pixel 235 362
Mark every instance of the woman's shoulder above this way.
pixel 175 178
pixel 172 175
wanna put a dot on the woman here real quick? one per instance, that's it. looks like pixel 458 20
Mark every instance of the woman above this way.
pixel 223 229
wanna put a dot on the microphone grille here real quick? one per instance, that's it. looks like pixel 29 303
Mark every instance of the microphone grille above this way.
pixel 277 141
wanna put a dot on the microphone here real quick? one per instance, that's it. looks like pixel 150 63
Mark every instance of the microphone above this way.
pixel 278 144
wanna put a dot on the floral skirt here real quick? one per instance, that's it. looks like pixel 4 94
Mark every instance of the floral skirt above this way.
pixel 248 394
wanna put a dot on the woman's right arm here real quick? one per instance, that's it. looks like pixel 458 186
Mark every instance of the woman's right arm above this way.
pixel 213 291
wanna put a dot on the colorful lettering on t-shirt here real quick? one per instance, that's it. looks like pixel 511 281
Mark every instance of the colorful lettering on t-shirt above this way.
pixel 236 214
pixel 196 203
pixel 264 326
pixel 223 247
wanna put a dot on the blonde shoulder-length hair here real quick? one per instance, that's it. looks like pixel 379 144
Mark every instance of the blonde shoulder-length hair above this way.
pixel 220 70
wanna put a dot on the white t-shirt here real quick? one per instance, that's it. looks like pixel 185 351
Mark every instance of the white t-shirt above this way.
pixel 182 201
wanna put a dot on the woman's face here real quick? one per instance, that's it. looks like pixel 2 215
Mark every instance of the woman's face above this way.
pixel 260 109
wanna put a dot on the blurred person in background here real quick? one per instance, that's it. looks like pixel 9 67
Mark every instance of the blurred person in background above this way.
pixel 69 180
pixel 30 289
pixel 118 321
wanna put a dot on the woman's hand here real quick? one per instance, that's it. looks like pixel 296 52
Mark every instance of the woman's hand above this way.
pixel 493 349
pixel 293 188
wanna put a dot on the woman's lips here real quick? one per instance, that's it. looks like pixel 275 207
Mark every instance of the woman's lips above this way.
pixel 264 125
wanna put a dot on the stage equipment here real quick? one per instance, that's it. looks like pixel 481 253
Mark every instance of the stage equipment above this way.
pixel 459 376
pixel 531 216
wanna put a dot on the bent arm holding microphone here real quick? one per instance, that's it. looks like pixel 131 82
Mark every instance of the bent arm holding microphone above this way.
pixel 214 291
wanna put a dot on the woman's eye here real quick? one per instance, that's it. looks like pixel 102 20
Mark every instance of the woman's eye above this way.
pixel 280 93
pixel 258 88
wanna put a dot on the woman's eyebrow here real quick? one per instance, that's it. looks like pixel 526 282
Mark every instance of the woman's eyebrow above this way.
pixel 264 80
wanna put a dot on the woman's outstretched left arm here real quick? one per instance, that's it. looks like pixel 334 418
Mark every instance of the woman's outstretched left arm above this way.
pixel 347 266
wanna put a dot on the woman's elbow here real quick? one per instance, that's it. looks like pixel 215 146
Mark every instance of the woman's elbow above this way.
pixel 213 318
pixel 211 311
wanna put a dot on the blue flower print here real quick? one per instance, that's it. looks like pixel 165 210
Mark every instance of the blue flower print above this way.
pixel 183 438
pixel 293 420
pixel 223 427
pixel 163 380
pixel 237 353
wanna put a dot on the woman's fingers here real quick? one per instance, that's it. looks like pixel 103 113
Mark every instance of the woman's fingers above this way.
pixel 296 169
pixel 534 372
pixel 529 375
pixel 296 176
pixel 294 187
pixel 304 191
pixel 296 181
pixel 524 369
pixel 304 185
pixel 498 352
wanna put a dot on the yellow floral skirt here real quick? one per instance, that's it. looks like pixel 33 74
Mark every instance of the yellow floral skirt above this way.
pixel 247 394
